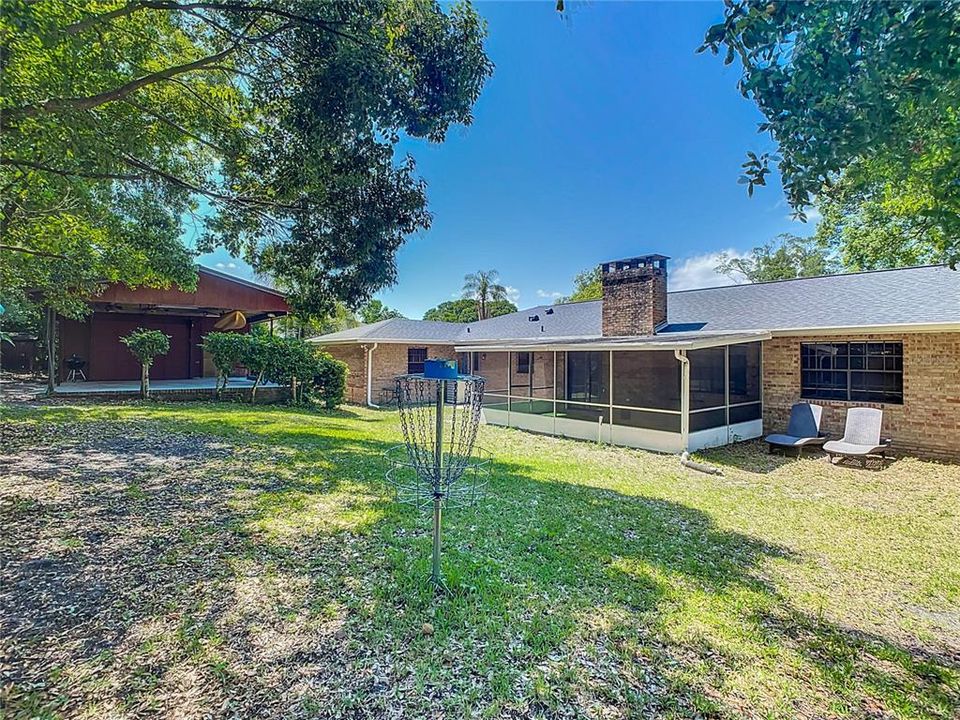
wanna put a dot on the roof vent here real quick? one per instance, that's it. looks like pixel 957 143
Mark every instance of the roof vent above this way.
pixel 533 318
pixel 548 311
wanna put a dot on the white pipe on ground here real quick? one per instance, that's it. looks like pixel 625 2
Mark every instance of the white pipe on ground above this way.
pixel 370 350
pixel 685 461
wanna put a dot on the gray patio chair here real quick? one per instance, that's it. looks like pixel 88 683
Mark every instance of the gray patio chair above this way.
pixel 861 436
pixel 803 430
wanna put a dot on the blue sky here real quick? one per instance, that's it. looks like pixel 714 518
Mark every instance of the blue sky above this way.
pixel 600 135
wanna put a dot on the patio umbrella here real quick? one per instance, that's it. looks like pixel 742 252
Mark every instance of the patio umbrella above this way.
pixel 233 320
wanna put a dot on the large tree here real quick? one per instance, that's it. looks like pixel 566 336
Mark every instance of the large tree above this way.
pixel 374 311
pixel 269 124
pixel 587 285
pixel 865 94
pixel 464 311
pixel 483 287
pixel 786 258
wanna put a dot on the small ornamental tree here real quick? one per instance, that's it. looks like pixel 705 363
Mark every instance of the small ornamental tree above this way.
pixel 145 346
pixel 227 350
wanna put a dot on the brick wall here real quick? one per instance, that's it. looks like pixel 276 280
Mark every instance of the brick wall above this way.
pixel 356 359
pixel 389 360
pixel 634 301
pixel 926 424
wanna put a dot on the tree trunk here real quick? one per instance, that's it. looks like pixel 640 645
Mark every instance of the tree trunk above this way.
pixel 256 384
pixel 293 388
pixel 51 350
pixel 144 381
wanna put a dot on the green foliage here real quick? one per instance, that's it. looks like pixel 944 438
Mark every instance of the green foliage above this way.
pixel 308 372
pixel 227 350
pixel 587 285
pixel 340 317
pixel 272 125
pixel 869 87
pixel 329 383
pixel 870 224
pixel 483 287
pixel 374 311
pixel 285 361
pixel 785 258
pixel 147 344
pixel 464 311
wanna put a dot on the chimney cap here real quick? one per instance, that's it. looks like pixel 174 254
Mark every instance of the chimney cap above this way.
pixel 652 260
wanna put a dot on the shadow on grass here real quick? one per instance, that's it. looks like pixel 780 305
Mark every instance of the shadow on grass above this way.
pixel 254 561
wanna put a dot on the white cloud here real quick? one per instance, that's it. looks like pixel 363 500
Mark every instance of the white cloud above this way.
pixel 513 294
pixel 813 217
pixel 548 294
pixel 699 271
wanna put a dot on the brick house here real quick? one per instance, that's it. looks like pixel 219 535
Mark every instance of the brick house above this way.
pixel 670 371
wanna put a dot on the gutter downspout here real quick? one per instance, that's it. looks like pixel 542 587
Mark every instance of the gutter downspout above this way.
pixel 681 356
pixel 370 375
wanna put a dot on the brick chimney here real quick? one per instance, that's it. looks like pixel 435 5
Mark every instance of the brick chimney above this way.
pixel 634 295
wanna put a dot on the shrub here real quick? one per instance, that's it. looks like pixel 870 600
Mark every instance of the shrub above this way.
pixel 227 350
pixel 285 361
pixel 329 380
pixel 145 346
pixel 265 354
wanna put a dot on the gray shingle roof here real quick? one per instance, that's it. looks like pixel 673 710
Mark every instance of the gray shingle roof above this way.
pixel 397 329
pixel 908 296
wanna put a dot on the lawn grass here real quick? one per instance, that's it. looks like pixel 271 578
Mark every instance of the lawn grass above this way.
pixel 222 560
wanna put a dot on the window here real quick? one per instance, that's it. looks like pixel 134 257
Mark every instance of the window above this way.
pixel 862 371
pixel 415 359
pixel 523 363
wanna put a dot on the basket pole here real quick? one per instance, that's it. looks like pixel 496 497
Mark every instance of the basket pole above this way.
pixel 435 575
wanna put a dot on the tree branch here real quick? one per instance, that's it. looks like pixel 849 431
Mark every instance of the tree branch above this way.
pixel 28 251
pixel 55 105
pixel 82 25
pixel 212 194
pixel 170 123
pixel 237 7
pixel 67 173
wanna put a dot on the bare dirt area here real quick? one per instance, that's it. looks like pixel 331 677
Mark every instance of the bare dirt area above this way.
pixel 129 583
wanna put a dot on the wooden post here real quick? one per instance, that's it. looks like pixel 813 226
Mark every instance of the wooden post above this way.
pixel 51 350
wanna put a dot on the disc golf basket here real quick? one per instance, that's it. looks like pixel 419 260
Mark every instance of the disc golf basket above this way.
pixel 438 466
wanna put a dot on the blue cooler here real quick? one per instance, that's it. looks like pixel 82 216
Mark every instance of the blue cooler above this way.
pixel 436 369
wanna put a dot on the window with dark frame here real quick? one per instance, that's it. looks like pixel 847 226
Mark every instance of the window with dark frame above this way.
pixel 855 371
pixel 523 363
pixel 415 359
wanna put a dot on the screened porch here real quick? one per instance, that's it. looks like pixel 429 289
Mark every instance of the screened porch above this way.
pixel 657 399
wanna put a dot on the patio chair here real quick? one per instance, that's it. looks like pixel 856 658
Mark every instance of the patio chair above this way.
pixel 803 430
pixel 861 436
